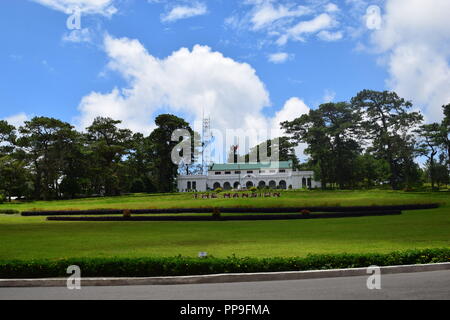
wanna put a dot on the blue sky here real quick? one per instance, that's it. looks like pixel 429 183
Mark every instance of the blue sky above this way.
pixel 256 62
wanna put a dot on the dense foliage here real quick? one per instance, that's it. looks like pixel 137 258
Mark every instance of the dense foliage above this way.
pixel 48 159
pixel 374 140
pixel 180 266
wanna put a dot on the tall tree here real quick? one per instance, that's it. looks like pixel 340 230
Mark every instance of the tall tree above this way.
pixel 45 141
pixel 140 162
pixel 331 132
pixel 7 137
pixel 387 120
pixel 430 135
pixel 371 171
pixel 164 169
pixel 77 168
pixel 109 144
pixel 445 132
pixel 14 177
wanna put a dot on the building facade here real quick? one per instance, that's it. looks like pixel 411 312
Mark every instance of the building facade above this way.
pixel 237 176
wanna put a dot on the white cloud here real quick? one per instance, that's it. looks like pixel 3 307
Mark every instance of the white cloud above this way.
pixel 264 13
pixel 284 21
pixel 185 83
pixel 415 39
pixel 184 12
pixel 330 36
pixel 102 7
pixel 279 57
pixel 17 120
pixel 292 109
pixel 78 36
pixel 320 22
pixel 329 96
pixel 331 7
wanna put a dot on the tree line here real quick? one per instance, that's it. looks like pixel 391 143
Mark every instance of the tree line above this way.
pixel 48 159
pixel 373 140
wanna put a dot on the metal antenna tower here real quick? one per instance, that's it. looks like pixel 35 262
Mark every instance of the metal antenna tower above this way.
pixel 206 144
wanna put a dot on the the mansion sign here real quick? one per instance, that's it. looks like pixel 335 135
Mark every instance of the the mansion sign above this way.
pixel 238 195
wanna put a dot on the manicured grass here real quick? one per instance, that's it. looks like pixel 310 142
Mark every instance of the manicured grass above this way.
pixel 27 238
pixel 186 200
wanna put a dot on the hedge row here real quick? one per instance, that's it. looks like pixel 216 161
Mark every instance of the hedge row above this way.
pixel 231 218
pixel 9 211
pixel 236 210
pixel 179 266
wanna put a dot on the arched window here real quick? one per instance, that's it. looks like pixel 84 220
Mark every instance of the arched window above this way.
pixel 262 184
pixel 249 184
pixel 272 184
pixel 283 185
pixel 227 186
pixel 216 185
pixel 236 185
pixel 189 187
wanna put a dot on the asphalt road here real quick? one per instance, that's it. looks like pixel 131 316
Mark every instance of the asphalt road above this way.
pixel 420 285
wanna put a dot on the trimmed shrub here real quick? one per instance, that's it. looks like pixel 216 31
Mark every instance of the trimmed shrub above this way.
pixel 218 190
pixel 216 214
pixel 9 211
pixel 127 214
pixel 305 212
pixel 235 210
pixel 181 266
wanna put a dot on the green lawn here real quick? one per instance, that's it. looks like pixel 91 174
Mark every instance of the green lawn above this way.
pixel 185 200
pixel 35 238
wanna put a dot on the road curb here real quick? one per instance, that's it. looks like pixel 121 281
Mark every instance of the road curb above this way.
pixel 223 278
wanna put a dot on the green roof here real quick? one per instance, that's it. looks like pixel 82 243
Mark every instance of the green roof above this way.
pixel 251 166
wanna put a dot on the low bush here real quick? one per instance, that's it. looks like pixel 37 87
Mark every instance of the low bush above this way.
pixel 9 211
pixel 127 214
pixel 305 212
pixel 216 214
pixel 243 209
pixel 179 266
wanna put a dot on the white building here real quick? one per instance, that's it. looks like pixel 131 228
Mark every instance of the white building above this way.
pixel 275 175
